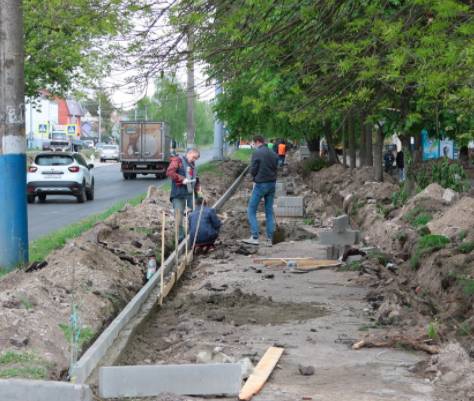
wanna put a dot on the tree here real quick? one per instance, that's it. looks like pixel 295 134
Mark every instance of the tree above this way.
pixel 70 42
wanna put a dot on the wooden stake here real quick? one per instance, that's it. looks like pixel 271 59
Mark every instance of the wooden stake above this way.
pixel 162 268
pixel 177 222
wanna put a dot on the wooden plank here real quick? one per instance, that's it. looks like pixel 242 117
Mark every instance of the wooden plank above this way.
pixel 261 373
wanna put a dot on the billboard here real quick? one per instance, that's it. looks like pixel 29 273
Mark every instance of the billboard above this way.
pixel 430 146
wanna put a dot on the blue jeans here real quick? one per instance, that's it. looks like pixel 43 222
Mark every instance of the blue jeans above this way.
pixel 265 190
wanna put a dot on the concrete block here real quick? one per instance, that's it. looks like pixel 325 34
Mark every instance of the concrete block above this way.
pixel 349 237
pixel 288 212
pixel 42 390
pixel 280 189
pixel 341 223
pixel 152 380
pixel 290 201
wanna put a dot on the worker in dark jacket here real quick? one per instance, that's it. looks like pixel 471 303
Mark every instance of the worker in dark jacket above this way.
pixel 209 224
pixel 400 162
pixel 263 168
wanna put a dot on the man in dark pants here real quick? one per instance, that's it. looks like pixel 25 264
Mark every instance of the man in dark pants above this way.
pixel 209 225
pixel 263 168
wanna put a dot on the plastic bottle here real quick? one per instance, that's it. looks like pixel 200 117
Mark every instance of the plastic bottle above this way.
pixel 151 267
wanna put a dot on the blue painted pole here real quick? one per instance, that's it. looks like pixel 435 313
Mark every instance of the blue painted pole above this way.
pixel 13 211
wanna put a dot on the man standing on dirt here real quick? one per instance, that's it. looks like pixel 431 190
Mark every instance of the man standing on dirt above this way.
pixel 264 166
pixel 184 184
pixel 281 149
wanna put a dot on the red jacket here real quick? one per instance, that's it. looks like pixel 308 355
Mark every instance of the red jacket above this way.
pixel 172 172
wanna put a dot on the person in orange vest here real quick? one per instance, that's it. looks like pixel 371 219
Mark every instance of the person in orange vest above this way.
pixel 281 150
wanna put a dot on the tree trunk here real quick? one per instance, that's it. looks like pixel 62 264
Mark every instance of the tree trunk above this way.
pixel 313 144
pixel 352 142
pixel 378 155
pixel 332 156
pixel 369 147
pixel 363 144
pixel 418 152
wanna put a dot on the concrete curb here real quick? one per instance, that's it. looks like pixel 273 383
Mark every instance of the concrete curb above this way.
pixel 39 390
pixel 94 354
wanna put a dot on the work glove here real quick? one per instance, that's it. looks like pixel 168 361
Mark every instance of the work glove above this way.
pixel 185 181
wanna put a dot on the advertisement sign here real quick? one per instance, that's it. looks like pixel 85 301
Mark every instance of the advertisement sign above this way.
pixel 447 148
pixel 430 146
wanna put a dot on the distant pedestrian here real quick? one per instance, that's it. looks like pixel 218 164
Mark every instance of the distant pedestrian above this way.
pixel 184 184
pixel 263 168
pixel 400 162
pixel 271 144
pixel 281 153
pixel 209 224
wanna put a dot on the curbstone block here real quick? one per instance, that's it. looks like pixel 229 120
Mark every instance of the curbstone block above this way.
pixel 152 380
pixel 280 189
pixel 349 237
pixel 42 390
pixel 341 223
pixel 290 206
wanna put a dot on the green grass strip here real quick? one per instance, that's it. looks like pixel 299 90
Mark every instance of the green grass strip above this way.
pixel 242 155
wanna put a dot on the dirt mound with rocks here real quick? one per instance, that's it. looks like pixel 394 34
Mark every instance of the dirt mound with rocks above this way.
pixel 97 273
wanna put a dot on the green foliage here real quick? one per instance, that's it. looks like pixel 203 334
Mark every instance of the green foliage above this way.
pixel 85 334
pixel 22 364
pixel 400 197
pixel 466 247
pixel 382 210
pixel 433 330
pixel 445 173
pixel 379 256
pixel 242 155
pixel 425 245
pixel 68 42
pixel 417 217
pixel 314 164
pixel 168 104
pixel 468 285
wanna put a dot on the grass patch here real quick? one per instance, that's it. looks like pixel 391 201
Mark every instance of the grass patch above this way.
pixel 243 155
pixel 85 334
pixel 354 266
pixel 467 285
pixel 427 244
pixel 210 167
pixel 380 257
pixel 466 247
pixel 43 246
pixel 432 330
pixel 22 364
pixel 418 217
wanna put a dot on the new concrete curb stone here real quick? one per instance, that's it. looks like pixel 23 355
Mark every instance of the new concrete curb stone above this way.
pixel 152 380
pixel 39 390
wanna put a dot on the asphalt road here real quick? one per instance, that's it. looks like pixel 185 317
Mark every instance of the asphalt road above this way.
pixel 110 187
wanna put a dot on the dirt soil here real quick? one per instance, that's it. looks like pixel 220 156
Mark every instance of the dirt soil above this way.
pixel 229 308
pixel 102 270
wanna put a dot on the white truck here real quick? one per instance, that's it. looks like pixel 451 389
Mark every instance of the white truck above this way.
pixel 144 148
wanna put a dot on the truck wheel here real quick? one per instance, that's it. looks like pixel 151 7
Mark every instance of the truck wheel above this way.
pixel 42 198
pixel 133 176
pixel 30 198
pixel 81 198
pixel 125 176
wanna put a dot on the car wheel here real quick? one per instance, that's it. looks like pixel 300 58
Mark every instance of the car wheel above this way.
pixel 30 198
pixel 90 192
pixel 42 198
pixel 102 160
pixel 81 198
pixel 133 176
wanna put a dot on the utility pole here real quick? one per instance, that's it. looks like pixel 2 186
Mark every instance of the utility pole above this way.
pixel 190 125
pixel 99 112
pixel 218 131
pixel 13 215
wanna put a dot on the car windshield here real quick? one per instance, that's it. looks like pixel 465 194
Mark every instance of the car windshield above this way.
pixel 53 160
pixel 58 136
pixel 110 147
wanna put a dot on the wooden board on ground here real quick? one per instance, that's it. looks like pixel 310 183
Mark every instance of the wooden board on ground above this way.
pixel 261 373
pixel 305 264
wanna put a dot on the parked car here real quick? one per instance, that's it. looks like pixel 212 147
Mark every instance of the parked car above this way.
pixel 88 143
pixel 59 173
pixel 109 152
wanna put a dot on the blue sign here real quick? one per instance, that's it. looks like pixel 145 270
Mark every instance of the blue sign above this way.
pixel 430 146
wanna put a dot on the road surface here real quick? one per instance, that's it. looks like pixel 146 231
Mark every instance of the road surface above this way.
pixel 110 188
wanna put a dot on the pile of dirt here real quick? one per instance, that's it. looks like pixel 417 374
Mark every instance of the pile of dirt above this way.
pixel 99 272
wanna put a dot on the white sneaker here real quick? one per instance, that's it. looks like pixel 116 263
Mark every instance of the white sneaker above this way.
pixel 251 241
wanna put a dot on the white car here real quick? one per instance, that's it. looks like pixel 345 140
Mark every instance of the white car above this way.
pixel 59 173
pixel 109 152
